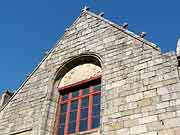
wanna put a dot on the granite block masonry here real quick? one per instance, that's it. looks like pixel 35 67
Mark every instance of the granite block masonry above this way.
pixel 140 84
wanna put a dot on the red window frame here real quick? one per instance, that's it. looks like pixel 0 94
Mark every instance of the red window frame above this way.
pixel 67 89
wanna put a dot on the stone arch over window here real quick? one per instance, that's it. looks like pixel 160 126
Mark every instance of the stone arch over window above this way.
pixel 79 73
pixel 82 69
pixel 78 63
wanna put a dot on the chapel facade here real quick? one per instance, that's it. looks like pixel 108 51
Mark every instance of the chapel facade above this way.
pixel 99 79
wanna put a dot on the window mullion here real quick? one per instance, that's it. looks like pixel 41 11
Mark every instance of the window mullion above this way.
pixel 78 111
pixel 90 107
pixel 68 114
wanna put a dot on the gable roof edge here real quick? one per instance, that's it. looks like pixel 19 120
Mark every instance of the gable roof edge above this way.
pixel 24 82
pixel 124 30
pixel 50 51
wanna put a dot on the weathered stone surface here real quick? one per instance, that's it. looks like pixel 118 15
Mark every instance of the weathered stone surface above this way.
pixel 138 129
pixel 171 131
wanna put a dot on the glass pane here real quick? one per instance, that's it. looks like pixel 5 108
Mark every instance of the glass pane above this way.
pixel 85 91
pixel 83 125
pixel 61 130
pixel 75 93
pixel 96 110
pixel 65 97
pixel 63 108
pixel 84 113
pixel 96 99
pixel 85 102
pixel 74 105
pixel 62 118
pixel 97 87
pixel 73 116
pixel 95 122
pixel 72 127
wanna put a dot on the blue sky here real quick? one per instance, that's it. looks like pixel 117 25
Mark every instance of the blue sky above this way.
pixel 29 28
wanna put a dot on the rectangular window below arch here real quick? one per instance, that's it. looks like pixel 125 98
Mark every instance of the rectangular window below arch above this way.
pixel 79 107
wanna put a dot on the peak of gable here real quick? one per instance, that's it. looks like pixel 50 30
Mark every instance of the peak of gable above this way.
pixel 86 16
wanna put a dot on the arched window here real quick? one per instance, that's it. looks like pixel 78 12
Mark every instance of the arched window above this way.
pixel 79 100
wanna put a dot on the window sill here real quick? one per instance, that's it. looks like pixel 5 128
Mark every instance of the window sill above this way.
pixel 96 130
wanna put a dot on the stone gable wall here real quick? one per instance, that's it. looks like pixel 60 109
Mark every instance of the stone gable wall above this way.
pixel 140 85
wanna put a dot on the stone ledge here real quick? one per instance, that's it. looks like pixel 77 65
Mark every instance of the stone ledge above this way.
pixel 20 131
